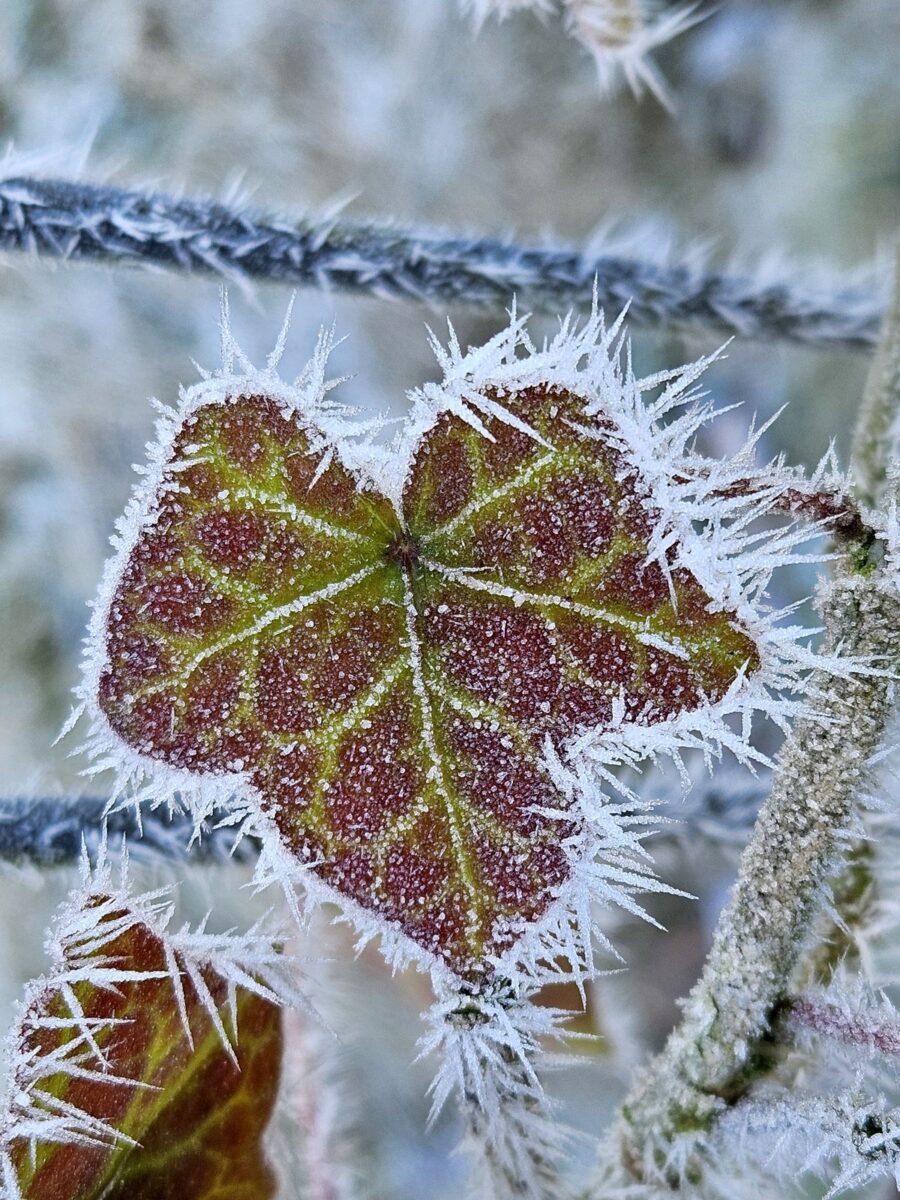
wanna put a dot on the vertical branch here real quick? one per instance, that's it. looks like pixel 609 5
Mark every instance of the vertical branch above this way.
pixel 876 428
pixel 713 1056
pixel 874 448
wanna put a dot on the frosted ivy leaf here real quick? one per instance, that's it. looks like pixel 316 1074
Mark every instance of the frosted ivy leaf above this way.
pixel 125 1081
pixel 393 658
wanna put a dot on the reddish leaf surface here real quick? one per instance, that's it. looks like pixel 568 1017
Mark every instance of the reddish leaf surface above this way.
pixel 199 1125
pixel 389 682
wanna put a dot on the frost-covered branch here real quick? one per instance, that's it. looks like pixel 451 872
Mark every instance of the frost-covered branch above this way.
pixel 877 432
pixel 876 440
pixel 836 511
pixel 81 222
pixel 852 1019
pixel 856 1140
pixel 50 832
pixel 708 1062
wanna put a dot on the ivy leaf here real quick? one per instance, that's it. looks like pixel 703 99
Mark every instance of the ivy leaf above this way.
pixel 124 1083
pixel 390 676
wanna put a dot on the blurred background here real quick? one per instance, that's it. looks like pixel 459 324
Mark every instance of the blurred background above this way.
pixel 784 146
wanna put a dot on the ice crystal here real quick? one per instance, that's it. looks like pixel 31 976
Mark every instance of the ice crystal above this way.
pixel 482 9
pixel 845 1138
pixel 131 1042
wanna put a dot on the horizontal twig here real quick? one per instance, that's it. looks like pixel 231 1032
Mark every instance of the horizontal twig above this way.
pixel 48 832
pixel 835 509
pixel 81 222
pixel 874 1027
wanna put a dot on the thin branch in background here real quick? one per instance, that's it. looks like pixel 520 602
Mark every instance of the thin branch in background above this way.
pixel 873 1026
pixel 878 428
pixel 84 223
pixel 50 832
pixel 316 1140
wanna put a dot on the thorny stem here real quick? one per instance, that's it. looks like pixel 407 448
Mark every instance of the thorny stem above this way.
pixel 866 1030
pixel 840 512
pixel 87 223
pixel 51 832
pixel 48 832
pixel 478 1133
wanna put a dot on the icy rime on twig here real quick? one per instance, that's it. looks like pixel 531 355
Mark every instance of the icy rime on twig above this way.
pixel 795 847
pixel 81 222
pixel 878 428
pixel 853 1020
